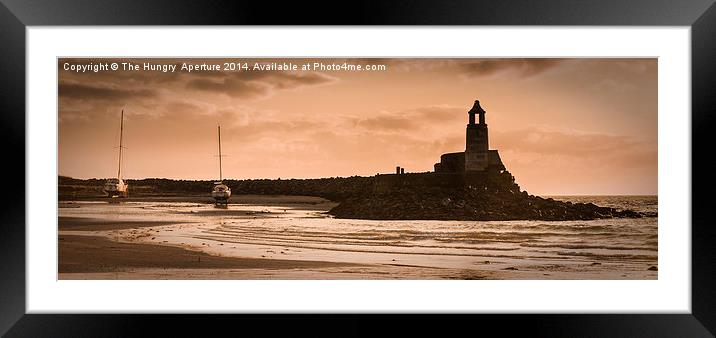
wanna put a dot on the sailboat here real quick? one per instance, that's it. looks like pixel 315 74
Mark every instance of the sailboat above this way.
pixel 116 187
pixel 221 191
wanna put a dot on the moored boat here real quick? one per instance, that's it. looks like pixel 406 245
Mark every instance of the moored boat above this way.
pixel 221 192
pixel 116 187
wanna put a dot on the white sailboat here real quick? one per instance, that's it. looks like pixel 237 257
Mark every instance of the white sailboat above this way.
pixel 221 191
pixel 116 187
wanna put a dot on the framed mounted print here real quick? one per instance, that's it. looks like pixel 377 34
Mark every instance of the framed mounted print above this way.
pixel 546 174
pixel 452 215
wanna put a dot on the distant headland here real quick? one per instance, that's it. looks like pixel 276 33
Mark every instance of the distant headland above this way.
pixel 469 185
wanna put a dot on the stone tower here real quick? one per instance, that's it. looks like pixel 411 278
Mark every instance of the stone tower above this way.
pixel 476 148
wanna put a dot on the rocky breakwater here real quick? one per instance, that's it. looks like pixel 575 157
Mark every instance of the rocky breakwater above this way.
pixel 497 199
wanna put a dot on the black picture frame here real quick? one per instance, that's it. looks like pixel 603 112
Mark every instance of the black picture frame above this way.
pixel 699 15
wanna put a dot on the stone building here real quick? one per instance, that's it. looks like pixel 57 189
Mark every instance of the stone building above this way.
pixel 469 185
pixel 477 157
pixel 477 166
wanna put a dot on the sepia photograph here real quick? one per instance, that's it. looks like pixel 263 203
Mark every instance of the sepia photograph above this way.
pixel 357 168
pixel 491 163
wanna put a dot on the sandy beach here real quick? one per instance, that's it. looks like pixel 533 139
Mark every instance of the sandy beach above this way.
pixel 93 254
pixel 292 237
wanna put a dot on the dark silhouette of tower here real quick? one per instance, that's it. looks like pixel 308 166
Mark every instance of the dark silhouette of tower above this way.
pixel 477 159
pixel 476 148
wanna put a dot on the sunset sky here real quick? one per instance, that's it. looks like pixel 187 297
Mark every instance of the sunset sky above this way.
pixel 562 126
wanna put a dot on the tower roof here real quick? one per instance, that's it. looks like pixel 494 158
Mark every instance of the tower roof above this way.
pixel 476 109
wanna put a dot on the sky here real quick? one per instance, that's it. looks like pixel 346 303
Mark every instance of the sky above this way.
pixel 562 126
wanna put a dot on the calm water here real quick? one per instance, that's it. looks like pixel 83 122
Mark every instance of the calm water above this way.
pixel 600 249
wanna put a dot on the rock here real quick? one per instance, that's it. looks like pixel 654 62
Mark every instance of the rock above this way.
pixel 499 198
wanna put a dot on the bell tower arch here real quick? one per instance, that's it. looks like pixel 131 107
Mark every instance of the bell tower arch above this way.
pixel 477 146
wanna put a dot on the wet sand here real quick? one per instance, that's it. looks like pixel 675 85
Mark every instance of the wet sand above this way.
pixel 87 250
pixel 96 254
pixel 94 224
pixel 325 273
pixel 91 255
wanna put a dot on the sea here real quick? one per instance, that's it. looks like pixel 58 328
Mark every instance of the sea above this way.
pixel 415 249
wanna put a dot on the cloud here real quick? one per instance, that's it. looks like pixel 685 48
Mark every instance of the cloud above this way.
pixel 524 67
pixel 593 148
pixel 411 119
pixel 521 67
pixel 386 122
pixel 85 96
pixel 232 88
pixel 287 129
pixel 637 65
pixel 92 92
pixel 552 142
pixel 613 85
pixel 258 84
pixel 241 84
pixel 314 143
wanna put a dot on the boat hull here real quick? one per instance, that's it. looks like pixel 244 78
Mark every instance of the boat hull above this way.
pixel 116 193
pixel 221 196
pixel 116 190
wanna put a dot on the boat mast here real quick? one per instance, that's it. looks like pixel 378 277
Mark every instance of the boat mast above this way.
pixel 121 129
pixel 220 175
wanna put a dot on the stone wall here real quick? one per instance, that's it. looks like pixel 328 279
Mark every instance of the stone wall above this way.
pixel 455 162
pixel 388 182
pixel 451 163
pixel 484 179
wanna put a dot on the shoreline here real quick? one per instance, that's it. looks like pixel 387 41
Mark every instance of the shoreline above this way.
pixel 288 201
pixel 200 198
